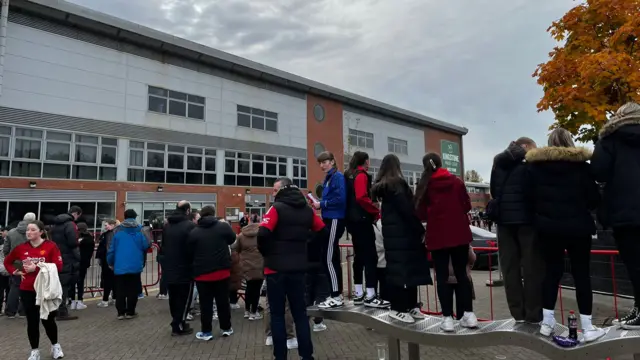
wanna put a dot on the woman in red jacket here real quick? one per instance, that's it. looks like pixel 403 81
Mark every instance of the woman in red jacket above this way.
pixel 442 200
pixel 27 256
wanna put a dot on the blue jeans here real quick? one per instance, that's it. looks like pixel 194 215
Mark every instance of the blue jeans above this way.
pixel 289 286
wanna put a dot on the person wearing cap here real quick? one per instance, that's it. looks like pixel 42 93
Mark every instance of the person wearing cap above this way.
pixel 126 257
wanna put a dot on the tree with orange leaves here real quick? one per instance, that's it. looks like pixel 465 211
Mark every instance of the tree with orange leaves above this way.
pixel 597 69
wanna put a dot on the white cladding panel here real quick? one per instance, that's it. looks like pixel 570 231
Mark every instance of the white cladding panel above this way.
pixel 55 74
pixel 381 131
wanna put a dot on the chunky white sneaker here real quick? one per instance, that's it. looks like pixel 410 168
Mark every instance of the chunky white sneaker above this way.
pixel 292 343
pixel 103 304
pixel 73 305
pixel 592 334
pixel 319 327
pixel 376 302
pixel 163 297
pixel 35 355
pixel 417 314
pixel 401 316
pixel 256 316
pixel 331 303
pixel 227 333
pixel 247 314
pixel 447 324
pixel 56 351
pixel 189 317
pixel 80 305
pixel 234 306
pixel 269 341
pixel 546 327
pixel 469 320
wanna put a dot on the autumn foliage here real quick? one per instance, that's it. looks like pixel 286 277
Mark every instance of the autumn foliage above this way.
pixel 598 67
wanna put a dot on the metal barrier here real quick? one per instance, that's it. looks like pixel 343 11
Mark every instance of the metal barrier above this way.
pixel 150 274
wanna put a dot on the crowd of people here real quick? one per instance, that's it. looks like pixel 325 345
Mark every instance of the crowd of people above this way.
pixel 543 200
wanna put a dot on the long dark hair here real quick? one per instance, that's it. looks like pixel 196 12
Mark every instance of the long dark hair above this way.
pixel 389 176
pixel 431 162
pixel 359 158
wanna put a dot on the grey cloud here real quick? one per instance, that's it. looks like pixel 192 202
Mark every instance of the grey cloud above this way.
pixel 468 62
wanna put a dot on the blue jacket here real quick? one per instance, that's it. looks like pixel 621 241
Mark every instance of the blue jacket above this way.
pixel 128 247
pixel 334 196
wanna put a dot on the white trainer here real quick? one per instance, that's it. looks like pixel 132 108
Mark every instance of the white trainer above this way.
pixel 35 355
pixel 234 306
pixel 292 343
pixel 269 341
pixel 319 327
pixel 402 316
pixel 546 327
pixel 80 305
pixel 247 314
pixel 331 303
pixel 103 304
pixel 417 314
pixel 255 316
pixel 447 324
pixel 73 305
pixel 592 334
pixel 469 320
pixel 56 351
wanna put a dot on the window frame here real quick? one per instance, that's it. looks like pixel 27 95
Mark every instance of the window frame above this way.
pixel 267 180
pixel 396 146
pixel 266 116
pixel 359 134
pixel 187 101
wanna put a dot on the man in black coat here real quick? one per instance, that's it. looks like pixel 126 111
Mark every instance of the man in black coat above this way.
pixel 520 256
pixel 65 235
pixel 176 266
pixel 616 162
pixel 282 240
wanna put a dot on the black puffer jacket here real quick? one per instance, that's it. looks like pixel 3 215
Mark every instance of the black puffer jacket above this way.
pixel 561 191
pixel 208 246
pixel 176 262
pixel 405 253
pixel 65 235
pixel 510 165
pixel 616 162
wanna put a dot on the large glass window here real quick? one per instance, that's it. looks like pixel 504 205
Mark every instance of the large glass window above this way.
pixel 176 103
pixel 244 169
pixel 257 118
pixel 300 173
pixel 256 204
pixel 167 163
pixel 361 139
pixel 49 211
pixel 397 146
pixel 56 154
pixel 3 213
pixel 17 210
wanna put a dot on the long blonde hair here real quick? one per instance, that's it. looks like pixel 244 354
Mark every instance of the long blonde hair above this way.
pixel 560 138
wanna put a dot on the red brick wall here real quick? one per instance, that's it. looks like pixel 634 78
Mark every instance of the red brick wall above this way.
pixel 328 132
pixel 432 139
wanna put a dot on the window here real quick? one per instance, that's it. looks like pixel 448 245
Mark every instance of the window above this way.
pixel 300 173
pixel 174 164
pixel 257 119
pixel 244 169
pixel 176 103
pixel 361 139
pixel 57 154
pixel 397 146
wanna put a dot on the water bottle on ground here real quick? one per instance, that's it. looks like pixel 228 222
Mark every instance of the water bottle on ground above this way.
pixel 573 325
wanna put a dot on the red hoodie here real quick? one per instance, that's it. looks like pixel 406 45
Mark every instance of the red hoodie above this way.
pixel 445 209
pixel 360 186
pixel 47 252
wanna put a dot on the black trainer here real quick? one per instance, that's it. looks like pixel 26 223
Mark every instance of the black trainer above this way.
pixel 376 302
pixel 633 314
pixel 632 324
pixel 358 300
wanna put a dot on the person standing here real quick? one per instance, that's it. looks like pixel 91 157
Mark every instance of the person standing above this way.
pixel 520 254
pixel 252 265
pixel 15 237
pixel 37 249
pixel 126 258
pixel 616 163
pixel 562 193
pixel 403 233
pixel 65 235
pixel 282 241
pixel 316 279
pixel 177 265
pixel 208 251
pixel 4 282
pixel 107 278
pixel 443 202
pixel 361 215
pixel 333 206
pixel 87 245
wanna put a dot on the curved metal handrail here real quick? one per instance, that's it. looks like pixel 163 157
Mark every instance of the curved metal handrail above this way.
pixel 615 342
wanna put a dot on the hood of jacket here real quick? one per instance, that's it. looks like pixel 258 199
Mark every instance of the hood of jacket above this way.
pixel 442 180
pixel 291 196
pixel 130 225
pixel 555 153
pixel 22 227
pixel 177 216
pixel 207 221
pixel 625 123
pixel 63 218
pixel 509 158
pixel 251 230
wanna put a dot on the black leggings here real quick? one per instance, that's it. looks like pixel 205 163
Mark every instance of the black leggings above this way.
pixel 459 257
pixel 108 284
pixel 629 247
pixel 252 295
pixel 33 318
pixel 579 251
pixel 365 255
pixel 332 258
pixel 77 292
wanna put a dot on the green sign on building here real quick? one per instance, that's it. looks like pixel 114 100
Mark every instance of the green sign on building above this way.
pixel 451 156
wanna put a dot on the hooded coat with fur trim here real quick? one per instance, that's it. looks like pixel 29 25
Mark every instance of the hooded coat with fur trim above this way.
pixel 561 191
pixel 616 162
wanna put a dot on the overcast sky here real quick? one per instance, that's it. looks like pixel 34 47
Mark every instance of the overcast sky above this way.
pixel 468 62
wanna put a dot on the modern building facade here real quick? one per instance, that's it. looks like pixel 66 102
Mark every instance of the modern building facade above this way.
pixel 480 194
pixel 109 115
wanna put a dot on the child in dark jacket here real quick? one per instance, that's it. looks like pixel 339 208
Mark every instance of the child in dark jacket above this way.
pixel 86 246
